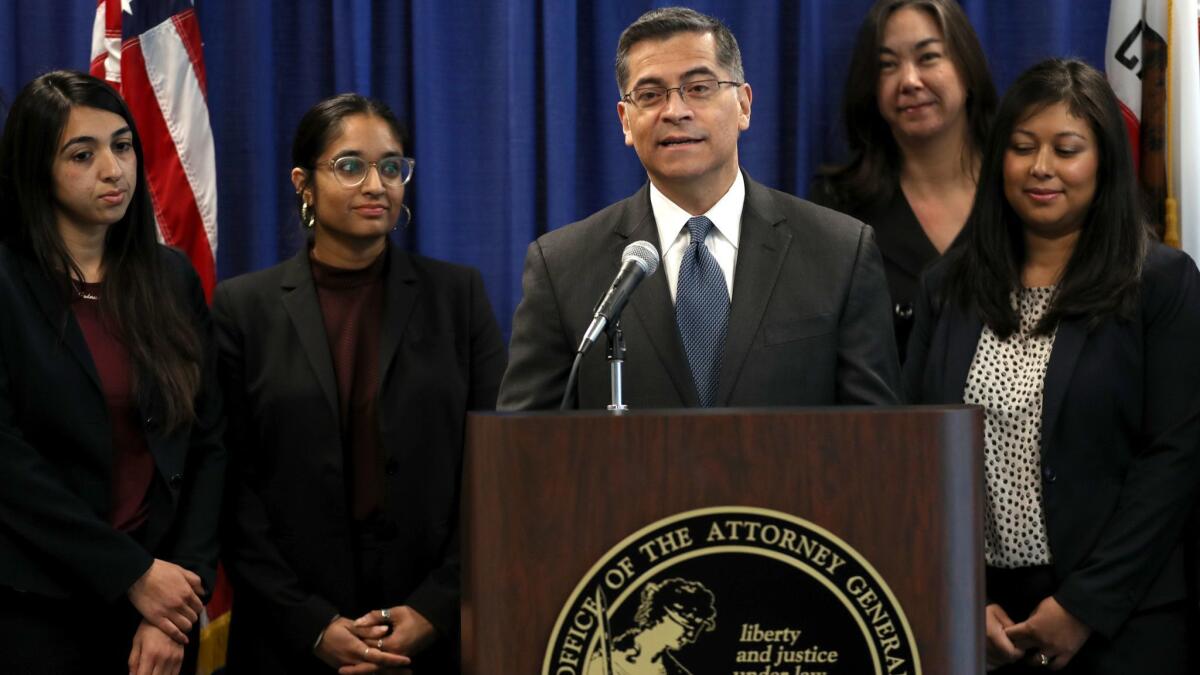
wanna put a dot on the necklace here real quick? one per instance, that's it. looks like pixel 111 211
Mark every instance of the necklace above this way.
pixel 83 294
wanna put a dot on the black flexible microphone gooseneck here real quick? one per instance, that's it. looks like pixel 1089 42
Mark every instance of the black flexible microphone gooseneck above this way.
pixel 638 261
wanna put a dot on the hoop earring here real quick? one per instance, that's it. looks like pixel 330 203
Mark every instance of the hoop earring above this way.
pixel 308 216
pixel 404 222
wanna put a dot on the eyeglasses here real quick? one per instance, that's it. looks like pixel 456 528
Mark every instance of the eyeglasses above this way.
pixel 698 92
pixel 351 171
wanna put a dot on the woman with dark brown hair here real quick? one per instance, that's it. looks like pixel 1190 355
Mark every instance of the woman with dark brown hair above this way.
pixel 917 105
pixel 1077 334
pixel 111 463
pixel 349 371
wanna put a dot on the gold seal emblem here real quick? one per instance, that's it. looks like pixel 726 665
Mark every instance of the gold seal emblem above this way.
pixel 732 591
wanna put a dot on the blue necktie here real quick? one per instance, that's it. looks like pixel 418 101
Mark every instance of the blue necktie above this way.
pixel 702 311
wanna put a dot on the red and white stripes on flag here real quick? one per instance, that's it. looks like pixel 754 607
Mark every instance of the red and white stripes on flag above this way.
pixel 1153 62
pixel 150 50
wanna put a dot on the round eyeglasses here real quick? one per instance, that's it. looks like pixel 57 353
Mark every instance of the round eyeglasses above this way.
pixel 698 92
pixel 351 171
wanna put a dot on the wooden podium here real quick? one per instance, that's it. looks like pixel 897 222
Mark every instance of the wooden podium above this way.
pixel 548 494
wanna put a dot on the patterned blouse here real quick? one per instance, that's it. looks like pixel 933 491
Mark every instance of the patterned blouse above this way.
pixel 1007 378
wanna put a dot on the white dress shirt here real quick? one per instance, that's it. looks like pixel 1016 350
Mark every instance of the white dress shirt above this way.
pixel 722 239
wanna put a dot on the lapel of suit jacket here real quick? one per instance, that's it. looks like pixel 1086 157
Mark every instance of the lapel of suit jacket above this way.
pixel 1068 342
pixel 61 318
pixel 762 248
pixel 652 303
pixel 961 344
pixel 304 309
pixel 399 299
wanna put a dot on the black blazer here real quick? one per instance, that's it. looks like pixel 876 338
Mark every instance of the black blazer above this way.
pixel 905 248
pixel 288 550
pixel 809 322
pixel 1120 430
pixel 56 451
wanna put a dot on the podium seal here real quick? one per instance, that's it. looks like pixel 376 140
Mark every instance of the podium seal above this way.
pixel 732 591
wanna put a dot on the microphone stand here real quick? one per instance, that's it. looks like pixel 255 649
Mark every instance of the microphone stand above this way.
pixel 616 364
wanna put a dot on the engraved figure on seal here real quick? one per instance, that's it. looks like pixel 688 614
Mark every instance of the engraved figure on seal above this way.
pixel 671 614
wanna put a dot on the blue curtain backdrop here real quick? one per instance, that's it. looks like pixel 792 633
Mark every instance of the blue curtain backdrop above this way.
pixel 511 103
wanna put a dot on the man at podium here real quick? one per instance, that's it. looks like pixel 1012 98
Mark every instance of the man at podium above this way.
pixel 763 300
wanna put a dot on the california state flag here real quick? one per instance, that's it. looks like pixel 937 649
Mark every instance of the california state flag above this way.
pixel 1153 63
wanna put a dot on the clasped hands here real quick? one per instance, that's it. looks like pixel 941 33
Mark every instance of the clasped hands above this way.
pixel 1050 637
pixel 378 640
pixel 168 598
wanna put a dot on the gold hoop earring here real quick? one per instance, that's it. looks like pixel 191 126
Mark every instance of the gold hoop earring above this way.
pixel 404 221
pixel 308 215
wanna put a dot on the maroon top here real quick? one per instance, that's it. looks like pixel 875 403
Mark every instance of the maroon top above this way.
pixel 352 308
pixel 132 463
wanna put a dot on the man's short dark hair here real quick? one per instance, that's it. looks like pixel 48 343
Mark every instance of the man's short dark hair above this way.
pixel 660 24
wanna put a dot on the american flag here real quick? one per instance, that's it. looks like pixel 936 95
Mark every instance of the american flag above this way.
pixel 150 50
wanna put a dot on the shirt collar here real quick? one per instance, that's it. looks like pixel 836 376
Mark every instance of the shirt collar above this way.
pixel 726 214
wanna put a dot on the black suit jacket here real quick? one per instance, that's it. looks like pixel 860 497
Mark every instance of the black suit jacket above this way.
pixel 289 545
pixel 905 248
pixel 809 322
pixel 1120 430
pixel 56 451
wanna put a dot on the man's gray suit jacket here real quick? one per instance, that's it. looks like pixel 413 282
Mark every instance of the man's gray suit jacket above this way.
pixel 810 322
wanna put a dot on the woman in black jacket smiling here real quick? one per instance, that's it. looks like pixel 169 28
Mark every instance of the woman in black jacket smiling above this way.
pixel 1077 334
pixel 917 106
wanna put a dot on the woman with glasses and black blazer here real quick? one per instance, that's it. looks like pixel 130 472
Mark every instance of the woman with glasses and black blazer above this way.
pixel 917 105
pixel 350 370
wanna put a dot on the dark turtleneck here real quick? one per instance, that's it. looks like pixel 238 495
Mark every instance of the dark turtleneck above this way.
pixel 352 308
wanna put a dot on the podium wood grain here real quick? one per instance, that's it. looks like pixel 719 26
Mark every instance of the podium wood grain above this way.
pixel 546 495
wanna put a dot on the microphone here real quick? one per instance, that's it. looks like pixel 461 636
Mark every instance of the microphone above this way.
pixel 638 261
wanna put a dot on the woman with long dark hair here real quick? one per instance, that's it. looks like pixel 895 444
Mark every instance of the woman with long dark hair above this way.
pixel 111 463
pixel 1077 334
pixel 917 106
pixel 349 371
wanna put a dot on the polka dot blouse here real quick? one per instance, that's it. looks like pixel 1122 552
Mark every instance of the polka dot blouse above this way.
pixel 1007 378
